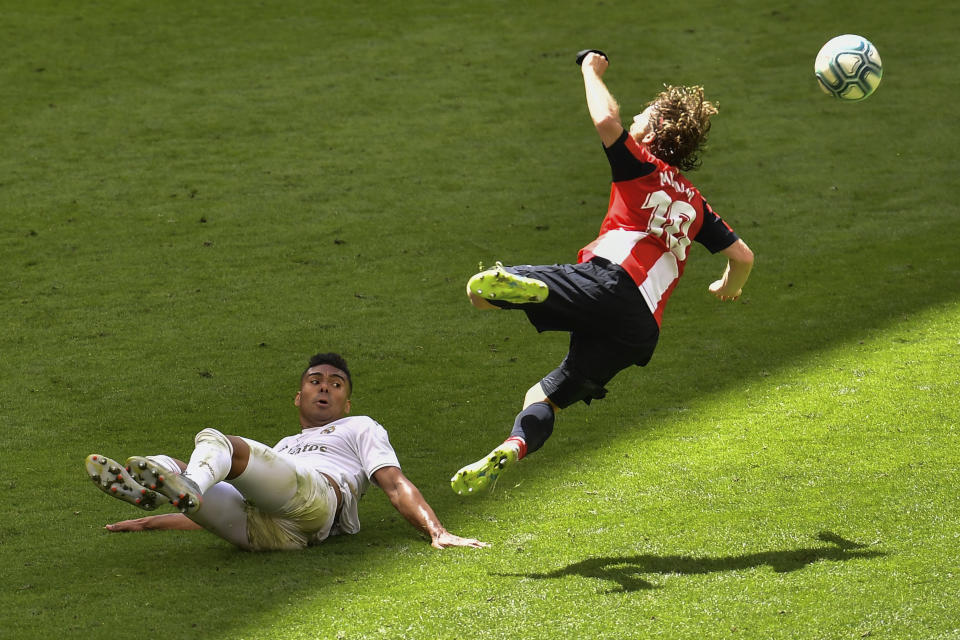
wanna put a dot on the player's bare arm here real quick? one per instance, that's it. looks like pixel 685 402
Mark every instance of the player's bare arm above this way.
pixel 408 500
pixel 739 263
pixel 604 109
pixel 162 522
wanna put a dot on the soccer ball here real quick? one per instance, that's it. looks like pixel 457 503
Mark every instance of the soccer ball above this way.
pixel 848 67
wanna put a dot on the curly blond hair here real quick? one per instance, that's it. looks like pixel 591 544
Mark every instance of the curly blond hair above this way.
pixel 680 121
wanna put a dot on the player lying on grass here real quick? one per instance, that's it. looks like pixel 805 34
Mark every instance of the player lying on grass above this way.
pixel 611 302
pixel 292 495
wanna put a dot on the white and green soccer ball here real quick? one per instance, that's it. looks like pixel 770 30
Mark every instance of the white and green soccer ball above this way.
pixel 848 67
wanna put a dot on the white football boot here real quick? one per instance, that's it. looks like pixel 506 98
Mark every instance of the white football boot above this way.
pixel 181 491
pixel 114 480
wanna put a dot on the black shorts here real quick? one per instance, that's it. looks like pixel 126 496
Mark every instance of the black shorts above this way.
pixel 611 327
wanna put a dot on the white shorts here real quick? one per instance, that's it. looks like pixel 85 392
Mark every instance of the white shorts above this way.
pixel 273 505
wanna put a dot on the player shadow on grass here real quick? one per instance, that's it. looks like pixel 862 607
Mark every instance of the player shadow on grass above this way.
pixel 628 571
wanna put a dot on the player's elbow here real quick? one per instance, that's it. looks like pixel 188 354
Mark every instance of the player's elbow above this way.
pixel 608 124
pixel 740 253
pixel 398 489
pixel 606 119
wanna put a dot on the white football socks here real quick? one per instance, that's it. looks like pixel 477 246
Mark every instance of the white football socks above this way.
pixel 211 459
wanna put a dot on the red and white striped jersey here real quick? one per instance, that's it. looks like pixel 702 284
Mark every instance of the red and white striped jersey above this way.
pixel 653 215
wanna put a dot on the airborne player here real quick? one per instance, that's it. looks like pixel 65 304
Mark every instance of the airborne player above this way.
pixel 612 301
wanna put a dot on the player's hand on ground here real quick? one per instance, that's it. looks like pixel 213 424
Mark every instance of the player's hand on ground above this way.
pixel 721 293
pixel 447 539
pixel 139 524
pixel 153 523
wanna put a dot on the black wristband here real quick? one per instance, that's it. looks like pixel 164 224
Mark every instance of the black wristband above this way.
pixel 583 54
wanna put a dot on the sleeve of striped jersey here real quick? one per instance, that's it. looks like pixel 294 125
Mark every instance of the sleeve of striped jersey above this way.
pixel 624 165
pixel 715 234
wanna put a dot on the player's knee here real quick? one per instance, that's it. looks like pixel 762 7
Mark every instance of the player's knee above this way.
pixel 240 457
pixel 536 394
pixel 212 436
pixel 566 387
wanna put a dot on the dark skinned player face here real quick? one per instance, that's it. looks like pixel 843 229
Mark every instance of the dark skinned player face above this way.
pixel 324 396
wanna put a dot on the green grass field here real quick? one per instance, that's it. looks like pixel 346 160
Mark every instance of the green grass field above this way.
pixel 195 197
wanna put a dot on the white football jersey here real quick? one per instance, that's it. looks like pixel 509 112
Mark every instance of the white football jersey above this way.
pixel 350 450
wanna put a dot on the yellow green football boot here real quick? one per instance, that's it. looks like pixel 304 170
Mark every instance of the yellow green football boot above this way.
pixel 482 475
pixel 500 284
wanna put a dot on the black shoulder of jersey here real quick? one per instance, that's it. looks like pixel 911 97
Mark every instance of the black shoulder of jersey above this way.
pixel 623 164
pixel 715 234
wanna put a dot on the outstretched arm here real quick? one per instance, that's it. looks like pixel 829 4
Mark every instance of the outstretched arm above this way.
pixel 604 110
pixel 164 521
pixel 739 264
pixel 408 500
